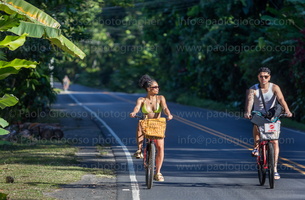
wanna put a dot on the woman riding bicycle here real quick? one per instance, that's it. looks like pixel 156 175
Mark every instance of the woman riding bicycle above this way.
pixel 151 106
pixel 271 94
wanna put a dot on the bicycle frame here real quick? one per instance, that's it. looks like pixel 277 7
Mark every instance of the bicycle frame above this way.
pixel 266 161
pixel 266 155
pixel 264 146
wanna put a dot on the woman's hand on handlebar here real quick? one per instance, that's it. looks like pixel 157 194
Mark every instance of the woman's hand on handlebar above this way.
pixel 132 115
pixel 170 117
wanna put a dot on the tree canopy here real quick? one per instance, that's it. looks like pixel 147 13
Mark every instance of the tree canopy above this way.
pixel 20 20
pixel 201 49
pixel 198 49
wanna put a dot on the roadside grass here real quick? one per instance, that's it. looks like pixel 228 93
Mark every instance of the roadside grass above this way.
pixel 289 123
pixel 40 168
pixel 203 103
pixel 102 150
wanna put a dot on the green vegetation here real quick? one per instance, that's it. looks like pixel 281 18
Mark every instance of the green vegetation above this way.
pixel 38 168
pixel 289 123
pixel 28 162
pixel 42 166
pixel 226 107
pixel 204 103
pixel 203 53
pixel 25 20
pixel 205 49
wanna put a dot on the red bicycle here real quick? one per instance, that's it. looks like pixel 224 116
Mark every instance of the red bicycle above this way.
pixel 266 159
pixel 265 162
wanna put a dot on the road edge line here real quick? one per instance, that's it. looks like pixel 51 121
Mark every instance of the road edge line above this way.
pixel 132 175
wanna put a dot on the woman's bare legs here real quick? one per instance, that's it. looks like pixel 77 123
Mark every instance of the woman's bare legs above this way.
pixel 140 137
pixel 160 154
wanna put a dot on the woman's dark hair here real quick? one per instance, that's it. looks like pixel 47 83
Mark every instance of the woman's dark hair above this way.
pixel 264 69
pixel 145 81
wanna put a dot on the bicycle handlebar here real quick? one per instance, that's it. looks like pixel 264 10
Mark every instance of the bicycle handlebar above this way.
pixel 139 117
pixel 283 115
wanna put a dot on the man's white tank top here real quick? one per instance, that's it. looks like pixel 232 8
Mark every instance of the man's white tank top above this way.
pixel 269 97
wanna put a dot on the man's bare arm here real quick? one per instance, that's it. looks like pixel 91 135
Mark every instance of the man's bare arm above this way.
pixel 249 103
pixel 281 99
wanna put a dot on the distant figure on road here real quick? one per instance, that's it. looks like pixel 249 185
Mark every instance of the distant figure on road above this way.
pixel 152 105
pixel 271 94
pixel 66 83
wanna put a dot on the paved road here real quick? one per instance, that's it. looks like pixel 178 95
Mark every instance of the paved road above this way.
pixel 207 153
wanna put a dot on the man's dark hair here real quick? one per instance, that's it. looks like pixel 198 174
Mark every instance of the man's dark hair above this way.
pixel 264 69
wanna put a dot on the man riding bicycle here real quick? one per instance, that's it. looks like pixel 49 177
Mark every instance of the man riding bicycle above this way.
pixel 271 94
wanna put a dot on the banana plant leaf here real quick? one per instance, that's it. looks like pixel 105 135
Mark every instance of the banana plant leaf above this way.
pixel 66 45
pixel 3 123
pixel 8 21
pixel 7 100
pixel 2 55
pixel 13 42
pixel 52 34
pixel 42 25
pixel 29 11
pixel 35 30
pixel 3 131
pixel 13 67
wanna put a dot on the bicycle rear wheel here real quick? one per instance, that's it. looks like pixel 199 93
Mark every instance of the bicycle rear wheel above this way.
pixel 150 160
pixel 270 157
pixel 260 167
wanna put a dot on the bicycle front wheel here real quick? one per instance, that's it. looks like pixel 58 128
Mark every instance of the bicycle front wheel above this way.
pixel 150 158
pixel 270 157
pixel 260 168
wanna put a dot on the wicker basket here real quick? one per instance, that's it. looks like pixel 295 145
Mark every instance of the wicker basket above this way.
pixel 154 128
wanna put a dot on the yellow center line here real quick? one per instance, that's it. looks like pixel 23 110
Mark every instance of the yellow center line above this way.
pixel 120 98
pixel 213 132
pixel 292 167
pixel 292 162
pixel 224 136
pixel 217 133
pixel 236 141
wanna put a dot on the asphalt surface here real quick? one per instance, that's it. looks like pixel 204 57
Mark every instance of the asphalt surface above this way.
pixel 85 133
pixel 207 153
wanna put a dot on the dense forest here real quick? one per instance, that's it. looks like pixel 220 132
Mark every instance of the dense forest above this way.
pixel 198 50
